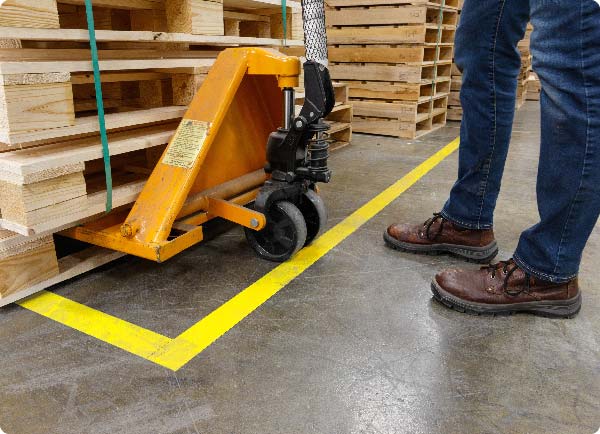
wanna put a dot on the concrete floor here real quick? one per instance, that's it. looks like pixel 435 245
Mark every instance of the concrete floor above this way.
pixel 354 345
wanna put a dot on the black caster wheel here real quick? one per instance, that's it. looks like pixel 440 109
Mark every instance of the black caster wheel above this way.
pixel 313 209
pixel 283 236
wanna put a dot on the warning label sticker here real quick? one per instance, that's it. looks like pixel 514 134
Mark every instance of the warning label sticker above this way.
pixel 187 143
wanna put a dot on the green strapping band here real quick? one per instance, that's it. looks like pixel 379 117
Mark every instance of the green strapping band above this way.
pixel 100 104
pixel 284 18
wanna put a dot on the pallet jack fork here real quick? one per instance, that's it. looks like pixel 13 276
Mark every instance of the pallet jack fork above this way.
pixel 236 145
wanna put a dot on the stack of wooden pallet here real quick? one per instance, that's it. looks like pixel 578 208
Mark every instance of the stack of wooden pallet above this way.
pixel 454 106
pixel 395 56
pixel 154 54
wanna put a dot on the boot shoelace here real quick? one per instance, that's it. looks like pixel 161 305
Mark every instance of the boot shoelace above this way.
pixel 508 271
pixel 429 223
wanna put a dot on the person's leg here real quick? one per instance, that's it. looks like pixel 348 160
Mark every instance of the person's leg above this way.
pixel 566 56
pixel 542 276
pixel 486 52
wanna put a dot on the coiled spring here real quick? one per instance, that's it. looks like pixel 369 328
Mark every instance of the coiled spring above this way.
pixel 318 147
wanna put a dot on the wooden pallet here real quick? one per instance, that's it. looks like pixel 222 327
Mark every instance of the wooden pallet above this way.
pixel 454 113
pixel 263 23
pixel 390 14
pixel 137 37
pixel 36 112
pixel 45 189
pixel 399 73
pixel 456 83
pixel 406 34
pixel 24 262
pixel 454 106
pixel 407 111
pixel 406 119
pixel 451 4
pixel 398 91
pixel 153 54
pixel 340 124
pixel 534 87
pixel 340 90
pixel 198 17
pixel 31 264
pixel 395 128
pixel 397 54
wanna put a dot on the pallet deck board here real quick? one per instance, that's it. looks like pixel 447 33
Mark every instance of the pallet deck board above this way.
pixel 398 91
pixel 89 124
pixel 37 164
pixel 406 34
pixel 53 66
pixel 417 73
pixel 416 55
pixel 349 3
pixel 81 35
pixel 389 15
pixel 67 214
pixel 404 111
pixel 29 13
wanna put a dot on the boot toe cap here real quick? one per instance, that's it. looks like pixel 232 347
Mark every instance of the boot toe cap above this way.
pixel 401 232
pixel 460 283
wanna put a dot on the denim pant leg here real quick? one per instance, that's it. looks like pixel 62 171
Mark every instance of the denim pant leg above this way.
pixel 566 51
pixel 487 54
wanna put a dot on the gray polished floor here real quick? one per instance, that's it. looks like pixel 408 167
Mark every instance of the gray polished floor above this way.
pixel 354 345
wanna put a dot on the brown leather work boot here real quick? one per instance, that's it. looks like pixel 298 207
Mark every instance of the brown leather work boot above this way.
pixel 438 235
pixel 504 288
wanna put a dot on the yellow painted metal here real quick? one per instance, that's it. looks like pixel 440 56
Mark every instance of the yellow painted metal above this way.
pixel 221 139
pixel 199 201
pixel 236 213
pixel 202 217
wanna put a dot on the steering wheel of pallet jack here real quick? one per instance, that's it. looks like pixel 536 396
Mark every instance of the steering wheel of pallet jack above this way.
pixel 313 209
pixel 283 236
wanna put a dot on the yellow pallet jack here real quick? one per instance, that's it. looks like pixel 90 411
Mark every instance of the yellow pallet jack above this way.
pixel 238 145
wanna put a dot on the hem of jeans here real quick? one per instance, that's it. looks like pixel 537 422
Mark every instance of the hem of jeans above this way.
pixel 554 278
pixel 463 224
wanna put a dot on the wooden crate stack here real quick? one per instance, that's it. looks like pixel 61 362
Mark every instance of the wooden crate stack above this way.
pixel 395 56
pixel 154 54
pixel 339 120
pixel 454 106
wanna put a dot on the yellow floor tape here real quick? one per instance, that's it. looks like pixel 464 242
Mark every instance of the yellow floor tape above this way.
pixel 175 353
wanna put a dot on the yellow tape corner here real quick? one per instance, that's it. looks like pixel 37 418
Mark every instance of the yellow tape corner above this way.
pixel 175 353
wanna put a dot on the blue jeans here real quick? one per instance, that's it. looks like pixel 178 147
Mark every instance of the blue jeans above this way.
pixel 565 45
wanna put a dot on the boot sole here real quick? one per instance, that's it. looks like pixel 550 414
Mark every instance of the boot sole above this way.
pixel 550 309
pixel 479 255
